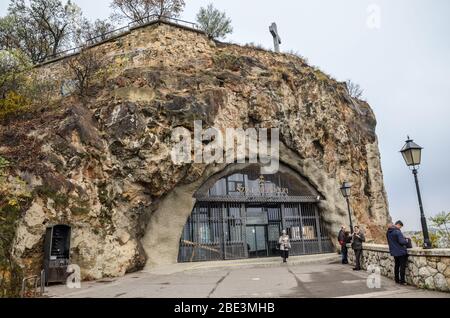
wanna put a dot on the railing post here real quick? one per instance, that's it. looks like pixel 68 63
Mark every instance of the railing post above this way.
pixel 22 290
pixel 319 234
pixel 301 225
pixel 283 218
pixel 42 282
pixel 244 228
pixel 224 228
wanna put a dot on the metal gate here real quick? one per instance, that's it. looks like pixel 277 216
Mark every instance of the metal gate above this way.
pixel 214 231
pixel 217 230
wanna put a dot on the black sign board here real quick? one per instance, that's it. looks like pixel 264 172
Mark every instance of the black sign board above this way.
pixel 56 253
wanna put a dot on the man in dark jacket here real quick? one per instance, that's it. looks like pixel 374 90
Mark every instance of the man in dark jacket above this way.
pixel 342 243
pixel 398 248
pixel 357 246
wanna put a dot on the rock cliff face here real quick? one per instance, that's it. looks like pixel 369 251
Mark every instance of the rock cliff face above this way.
pixel 102 163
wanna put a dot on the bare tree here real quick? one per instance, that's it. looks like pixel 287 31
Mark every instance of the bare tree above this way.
pixel 168 8
pixel 18 33
pixel 140 10
pixel 131 9
pixel 53 18
pixel 215 23
pixel 354 90
pixel 84 67
pixel 99 29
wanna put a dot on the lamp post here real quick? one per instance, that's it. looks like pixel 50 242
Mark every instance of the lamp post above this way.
pixel 346 192
pixel 412 153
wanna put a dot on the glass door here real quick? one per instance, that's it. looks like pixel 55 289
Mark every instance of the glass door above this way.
pixel 257 241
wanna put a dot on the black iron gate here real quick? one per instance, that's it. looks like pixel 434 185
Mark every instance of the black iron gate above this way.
pixel 217 230
pixel 214 231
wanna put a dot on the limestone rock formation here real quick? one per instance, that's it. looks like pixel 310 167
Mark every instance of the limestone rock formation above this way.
pixel 102 163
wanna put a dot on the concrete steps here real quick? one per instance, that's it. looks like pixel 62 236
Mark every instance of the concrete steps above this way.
pixel 243 263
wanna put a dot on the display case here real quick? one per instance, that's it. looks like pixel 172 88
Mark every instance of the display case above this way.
pixel 56 253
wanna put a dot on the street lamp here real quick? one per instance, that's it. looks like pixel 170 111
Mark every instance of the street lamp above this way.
pixel 346 192
pixel 412 153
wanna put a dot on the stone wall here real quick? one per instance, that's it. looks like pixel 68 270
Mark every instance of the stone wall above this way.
pixel 429 269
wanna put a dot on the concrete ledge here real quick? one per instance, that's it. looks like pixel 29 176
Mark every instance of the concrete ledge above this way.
pixel 431 253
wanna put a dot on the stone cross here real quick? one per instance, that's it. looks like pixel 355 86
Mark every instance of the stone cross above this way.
pixel 276 37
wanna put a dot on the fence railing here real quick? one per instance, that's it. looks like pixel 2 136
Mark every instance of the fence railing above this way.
pixel 33 286
pixel 104 37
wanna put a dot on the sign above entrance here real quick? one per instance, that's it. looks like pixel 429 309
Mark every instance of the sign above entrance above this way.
pixel 264 189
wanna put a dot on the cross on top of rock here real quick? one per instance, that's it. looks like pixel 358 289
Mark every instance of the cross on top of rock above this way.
pixel 276 37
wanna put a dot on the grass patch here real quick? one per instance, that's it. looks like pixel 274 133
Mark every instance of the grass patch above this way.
pixel 78 210
pixel 227 61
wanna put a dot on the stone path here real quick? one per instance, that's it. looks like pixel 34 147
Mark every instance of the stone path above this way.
pixel 314 276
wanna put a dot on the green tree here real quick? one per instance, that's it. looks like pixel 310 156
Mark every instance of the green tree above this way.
pixel 214 22
pixel 442 222
pixel 140 10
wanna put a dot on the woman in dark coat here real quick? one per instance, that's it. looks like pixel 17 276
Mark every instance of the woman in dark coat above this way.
pixel 357 244
pixel 346 240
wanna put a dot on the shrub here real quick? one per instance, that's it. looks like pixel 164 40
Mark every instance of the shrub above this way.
pixel 13 104
pixel 84 68
pixel 14 199
pixel 13 63
pixel 354 89
pixel 10 273
pixel 228 61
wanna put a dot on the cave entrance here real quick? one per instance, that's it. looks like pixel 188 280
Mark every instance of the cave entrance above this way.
pixel 242 214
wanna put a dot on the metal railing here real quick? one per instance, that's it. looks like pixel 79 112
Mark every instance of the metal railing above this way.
pixel 104 37
pixel 36 282
pixel 153 18
pixel 219 231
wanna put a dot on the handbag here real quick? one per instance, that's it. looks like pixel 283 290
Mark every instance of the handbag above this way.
pixel 409 244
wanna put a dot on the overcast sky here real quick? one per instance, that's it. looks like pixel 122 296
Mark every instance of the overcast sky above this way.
pixel 402 63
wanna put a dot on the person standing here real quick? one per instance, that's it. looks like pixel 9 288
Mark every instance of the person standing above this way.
pixel 347 240
pixel 285 245
pixel 341 240
pixel 358 239
pixel 398 248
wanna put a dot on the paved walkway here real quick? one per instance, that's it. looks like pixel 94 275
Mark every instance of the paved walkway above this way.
pixel 306 276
